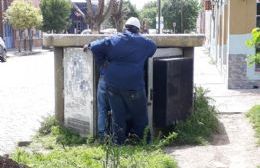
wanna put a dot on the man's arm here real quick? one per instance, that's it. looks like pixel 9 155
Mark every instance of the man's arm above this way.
pixel 99 49
pixel 151 48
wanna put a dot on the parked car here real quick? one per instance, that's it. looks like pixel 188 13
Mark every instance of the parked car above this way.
pixel 2 50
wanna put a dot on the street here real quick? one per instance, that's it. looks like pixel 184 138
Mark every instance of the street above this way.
pixel 26 96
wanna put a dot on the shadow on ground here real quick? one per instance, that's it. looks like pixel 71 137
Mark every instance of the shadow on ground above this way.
pixel 221 137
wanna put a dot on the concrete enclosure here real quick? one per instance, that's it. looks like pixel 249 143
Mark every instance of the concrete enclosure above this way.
pixel 76 79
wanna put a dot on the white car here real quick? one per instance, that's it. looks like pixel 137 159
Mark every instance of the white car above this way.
pixel 2 50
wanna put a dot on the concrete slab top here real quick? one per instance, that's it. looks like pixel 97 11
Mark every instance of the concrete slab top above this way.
pixel 161 40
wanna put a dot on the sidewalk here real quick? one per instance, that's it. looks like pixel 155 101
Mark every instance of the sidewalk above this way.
pixel 235 145
pixel 35 51
pixel 26 97
pixel 226 100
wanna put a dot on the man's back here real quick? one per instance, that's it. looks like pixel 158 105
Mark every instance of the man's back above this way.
pixel 126 54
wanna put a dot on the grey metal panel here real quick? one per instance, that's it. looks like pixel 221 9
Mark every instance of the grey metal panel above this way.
pixel 150 94
pixel 168 52
pixel 78 91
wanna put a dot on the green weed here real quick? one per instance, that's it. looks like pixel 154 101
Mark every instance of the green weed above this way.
pixel 47 125
pixel 59 147
pixel 62 148
pixel 254 116
pixel 95 157
pixel 202 123
pixel 198 127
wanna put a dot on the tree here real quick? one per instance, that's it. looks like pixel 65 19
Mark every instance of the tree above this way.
pixel 122 10
pixel 96 14
pixel 56 15
pixel 117 15
pixel 129 10
pixel 149 13
pixel 23 15
pixel 183 12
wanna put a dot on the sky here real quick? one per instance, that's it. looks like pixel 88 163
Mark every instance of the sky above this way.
pixel 139 3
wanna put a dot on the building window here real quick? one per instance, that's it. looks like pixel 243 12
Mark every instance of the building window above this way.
pixel 257 65
pixel 258 13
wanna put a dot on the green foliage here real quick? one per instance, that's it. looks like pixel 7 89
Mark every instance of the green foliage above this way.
pixel 55 15
pixel 167 140
pixel 63 148
pixel 47 124
pixel 73 157
pixel 183 12
pixel 58 147
pixel 94 157
pixel 202 123
pixel 149 13
pixel 198 127
pixel 254 116
pixel 67 137
pixel 128 10
pixel 23 15
pixel 63 136
pixel 254 42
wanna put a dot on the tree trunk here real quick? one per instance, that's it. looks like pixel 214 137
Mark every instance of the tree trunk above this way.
pixel 95 17
pixel 119 24
pixel 20 40
pixel 30 39
pixel 117 14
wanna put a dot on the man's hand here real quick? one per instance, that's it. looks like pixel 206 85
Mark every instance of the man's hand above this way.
pixel 85 47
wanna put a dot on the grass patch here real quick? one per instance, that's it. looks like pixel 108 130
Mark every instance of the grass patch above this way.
pixel 254 117
pixel 58 147
pixel 201 124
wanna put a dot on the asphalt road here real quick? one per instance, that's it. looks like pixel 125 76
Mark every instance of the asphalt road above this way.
pixel 26 96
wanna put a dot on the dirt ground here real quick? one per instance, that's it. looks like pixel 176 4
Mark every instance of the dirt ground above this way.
pixel 234 147
pixel 5 162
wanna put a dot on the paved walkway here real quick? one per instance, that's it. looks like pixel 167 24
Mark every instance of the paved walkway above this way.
pixel 26 96
pixel 235 146
pixel 227 101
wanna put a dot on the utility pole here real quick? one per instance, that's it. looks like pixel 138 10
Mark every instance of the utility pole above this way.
pixel 1 18
pixel 182 18
pixel 159 16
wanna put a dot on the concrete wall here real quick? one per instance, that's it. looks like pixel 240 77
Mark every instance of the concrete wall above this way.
pixel 75 91
pixel 232 22
pixel 241 24
pixel 78 90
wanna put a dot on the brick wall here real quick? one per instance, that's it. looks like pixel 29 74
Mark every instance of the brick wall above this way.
pixel 237 72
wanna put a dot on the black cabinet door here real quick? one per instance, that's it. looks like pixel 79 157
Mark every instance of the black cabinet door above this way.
pixel 172 90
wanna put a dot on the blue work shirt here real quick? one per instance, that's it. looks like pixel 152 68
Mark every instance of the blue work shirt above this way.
pixel 124 56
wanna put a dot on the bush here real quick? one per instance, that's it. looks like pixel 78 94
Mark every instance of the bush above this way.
pixel 254 116
pixel 254 43
pixel 59 147
pixel 67 149
pixel 200 125
pixel 47 124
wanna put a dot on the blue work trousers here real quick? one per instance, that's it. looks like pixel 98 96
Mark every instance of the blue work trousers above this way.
pixel 129 112
pixel 103 108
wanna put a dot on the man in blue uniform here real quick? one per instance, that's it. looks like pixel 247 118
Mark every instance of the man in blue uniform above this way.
pixel 124 55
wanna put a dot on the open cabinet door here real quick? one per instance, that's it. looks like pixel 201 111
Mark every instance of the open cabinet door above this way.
pixel 172 90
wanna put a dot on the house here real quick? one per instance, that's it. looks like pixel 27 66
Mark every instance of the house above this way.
pixel 227 24
pixel 10 35
pixel 77 22
pixel 6 31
